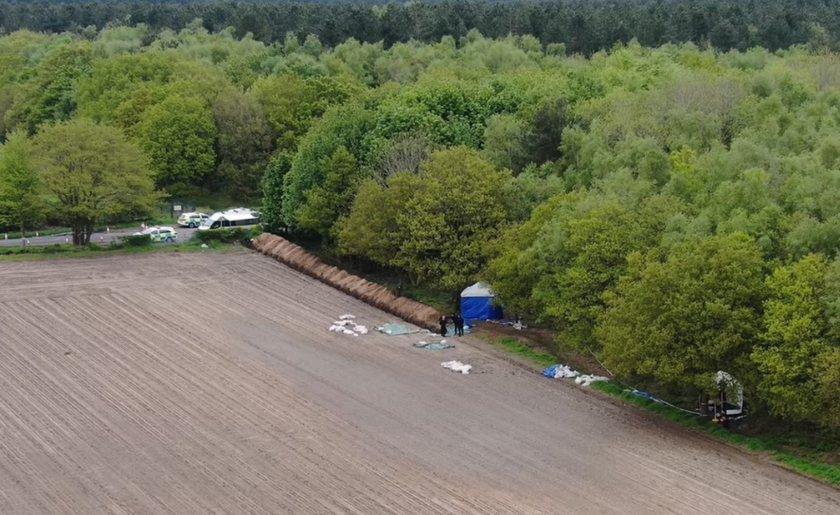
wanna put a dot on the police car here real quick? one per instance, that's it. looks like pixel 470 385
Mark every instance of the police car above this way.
pixel 159 234
pixel 192 219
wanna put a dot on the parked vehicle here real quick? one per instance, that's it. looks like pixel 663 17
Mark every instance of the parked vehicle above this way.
pixel 192 219
pixel 729 407
pixel 159 234
pixel 238 217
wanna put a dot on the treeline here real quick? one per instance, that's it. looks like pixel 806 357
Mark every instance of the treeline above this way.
pixel 583 26
pixel 672 210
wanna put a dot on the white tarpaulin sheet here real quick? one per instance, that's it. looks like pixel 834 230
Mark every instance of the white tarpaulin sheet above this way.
pixel 457 366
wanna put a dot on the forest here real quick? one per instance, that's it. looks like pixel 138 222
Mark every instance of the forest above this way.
pixel 583 26
pixel 672 209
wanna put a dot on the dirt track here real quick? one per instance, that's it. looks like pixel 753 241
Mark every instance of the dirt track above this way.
pixel 186 383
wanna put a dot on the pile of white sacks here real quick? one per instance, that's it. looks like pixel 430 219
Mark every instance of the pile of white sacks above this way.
pixel 346 325
pixel 565 371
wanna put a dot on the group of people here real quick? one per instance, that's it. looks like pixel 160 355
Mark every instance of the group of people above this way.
pixel 456 319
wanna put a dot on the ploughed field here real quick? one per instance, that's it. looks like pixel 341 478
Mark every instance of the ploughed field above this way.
pixel 208 383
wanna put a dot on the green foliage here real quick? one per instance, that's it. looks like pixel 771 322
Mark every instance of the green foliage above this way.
pixel 504 141
pixel 330 200
pixel 592 248
pixel 93 173
pixel 528 190
pixel 558 265
pixel 114 80
pixel 519 265
pixel 48 94
pixel 178 135
pixel 136 240
pixel 291 103
pixel 678 317
pixel 451 220
pixel 795 358
pixel 243 143
pixel 571 27
pixel 21 203
pixel 438 226
pixel 272 187
pixel 229 235
pixel 347 127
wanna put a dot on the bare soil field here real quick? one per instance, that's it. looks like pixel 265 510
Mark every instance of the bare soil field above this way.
pixel 208 383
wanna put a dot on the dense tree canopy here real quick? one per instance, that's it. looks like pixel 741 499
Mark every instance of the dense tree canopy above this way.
pixel 438 225
pixel 578 26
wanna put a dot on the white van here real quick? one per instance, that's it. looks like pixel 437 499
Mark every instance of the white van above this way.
pixel 238 217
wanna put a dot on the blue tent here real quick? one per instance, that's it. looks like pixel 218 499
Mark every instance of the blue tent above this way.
pixel 477 303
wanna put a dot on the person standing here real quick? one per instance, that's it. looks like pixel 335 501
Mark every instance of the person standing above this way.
pixel 459 325
pixel 442 322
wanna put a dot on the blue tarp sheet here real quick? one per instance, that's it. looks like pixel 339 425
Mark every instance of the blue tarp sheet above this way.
pixel 479 308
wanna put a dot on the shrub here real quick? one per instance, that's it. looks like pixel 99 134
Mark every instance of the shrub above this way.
pixel 137 240
pixel 233 235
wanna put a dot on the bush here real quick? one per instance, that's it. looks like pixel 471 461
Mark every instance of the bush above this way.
pixel 234 235
pixel 50 249
pixel 136 240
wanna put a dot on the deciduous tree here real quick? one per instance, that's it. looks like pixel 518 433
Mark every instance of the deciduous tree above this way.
pixel 21 203
pixel 178 135
pixel 677 317
pixel 94 174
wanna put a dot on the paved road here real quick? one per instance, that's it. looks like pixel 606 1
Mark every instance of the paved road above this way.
pixel 99 238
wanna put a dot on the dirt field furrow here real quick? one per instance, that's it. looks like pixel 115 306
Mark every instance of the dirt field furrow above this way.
pixel 208 383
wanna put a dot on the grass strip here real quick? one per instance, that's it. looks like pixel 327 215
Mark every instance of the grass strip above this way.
pixel 822 471
pixel 828 473
pixel 514 346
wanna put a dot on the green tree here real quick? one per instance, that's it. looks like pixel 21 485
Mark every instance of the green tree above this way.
pixel 545 135
pixel 503 141
pixel 372 228
pixel 292 103
pixel 794 350
pixel 113 80
pixel 48 95
pixel 243 144
pixel 528 190
pixel 178 135
pixel 827 370
pixel 679 317
pixel 271 214
pixel 327 202
pixel 94 174
pixel 21 204
pixel 345 126
pixel 425 225
pixel 452 219
pixel 521 264
pixel 596 243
